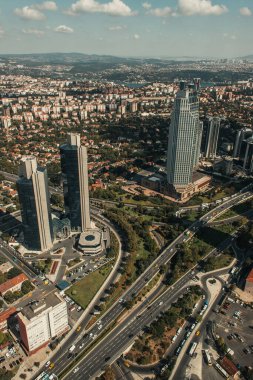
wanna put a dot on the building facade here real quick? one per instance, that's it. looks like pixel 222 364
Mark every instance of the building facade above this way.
pixel 41 321
pixel 248 156
pixel 75 183
pixel 212 136
pixel 184 139
pixel 33 193
pixel 242 135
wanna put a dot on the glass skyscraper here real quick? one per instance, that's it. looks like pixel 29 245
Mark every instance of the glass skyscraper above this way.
pixel 212 137
pixel 75 183
pixel 184 139
pixel 33 193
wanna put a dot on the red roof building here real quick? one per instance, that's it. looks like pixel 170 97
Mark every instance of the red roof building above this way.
pixel 249 283
pixel 229 366
pixel 4 317
pixel 13 284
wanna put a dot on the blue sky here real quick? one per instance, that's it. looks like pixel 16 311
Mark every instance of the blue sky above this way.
pixel 156 28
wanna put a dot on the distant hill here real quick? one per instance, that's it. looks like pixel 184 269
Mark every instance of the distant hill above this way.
pixel 81 58
pixel 248 57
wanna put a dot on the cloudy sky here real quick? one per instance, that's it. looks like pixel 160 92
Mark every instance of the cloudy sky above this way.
pixel 157 28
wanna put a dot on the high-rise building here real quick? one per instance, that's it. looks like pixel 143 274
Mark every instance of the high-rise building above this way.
pixel 212 136
pixel 242 135
pixel 42 320
pixel 184 139
pixel 247 147
pixel 33 193
pixel 75 183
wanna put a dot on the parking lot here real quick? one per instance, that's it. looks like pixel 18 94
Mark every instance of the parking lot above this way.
pixel 11 357
pixel 82 270
pixel 235 325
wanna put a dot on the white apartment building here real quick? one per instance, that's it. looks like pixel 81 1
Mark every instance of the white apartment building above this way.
pixel 42 320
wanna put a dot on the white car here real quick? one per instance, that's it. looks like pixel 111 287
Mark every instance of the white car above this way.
pixel 76 370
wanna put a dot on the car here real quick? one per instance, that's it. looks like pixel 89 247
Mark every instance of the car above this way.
pixel 48 363
pixel 78 329
pixel 197 333
pixel 51 365
pixel 160 303
pixel 100 327
pixel 76 370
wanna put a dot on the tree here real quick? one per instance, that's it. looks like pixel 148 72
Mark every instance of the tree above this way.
pixel 13 272
pixel 109 374
pixel 26 287
pixel 5 375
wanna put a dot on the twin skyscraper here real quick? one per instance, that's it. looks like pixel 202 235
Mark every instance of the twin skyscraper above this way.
pixel 33 192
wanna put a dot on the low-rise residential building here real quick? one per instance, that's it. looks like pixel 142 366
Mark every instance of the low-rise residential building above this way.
pixel 4 316
pixel 42 320
pixel 13 284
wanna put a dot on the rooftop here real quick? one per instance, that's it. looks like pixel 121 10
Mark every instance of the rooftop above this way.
pixel 90 238
pixel 229 366
pixel 250 276
pixel 35 307
pixel 7 313
pixel 8 285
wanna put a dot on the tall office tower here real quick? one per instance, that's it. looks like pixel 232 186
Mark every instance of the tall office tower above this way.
pixel 247 150
pixel 75 183
pixel 212 136
pixel 33 193
pixel 242 134
pixel 184 139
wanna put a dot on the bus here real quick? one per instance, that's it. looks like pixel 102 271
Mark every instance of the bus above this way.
pixel 207 357
pixel 221 371
pixel 193 348
pixel 41 376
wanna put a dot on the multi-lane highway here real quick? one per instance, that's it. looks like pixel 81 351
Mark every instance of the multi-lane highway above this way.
pixel 116 310
pixel 120 338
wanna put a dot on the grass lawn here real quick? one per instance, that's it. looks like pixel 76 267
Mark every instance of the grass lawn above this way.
pixel 221 261
pixel 84 291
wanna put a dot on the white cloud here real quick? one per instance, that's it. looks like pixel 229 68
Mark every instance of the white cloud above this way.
pixel 63 29
pixel 161 12
pixel 116 27
pixel 29 13
pixel 33 12
pixel 146 5
pixel 136 36
pixel 113 7
pixel 46 6
pixel 36 32
pixel 200 7
pixel 245 11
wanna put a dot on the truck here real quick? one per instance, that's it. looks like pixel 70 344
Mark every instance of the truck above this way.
pixel 71 349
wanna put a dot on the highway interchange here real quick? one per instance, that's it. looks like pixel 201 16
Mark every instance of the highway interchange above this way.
pixel 111 346
pixel 96 366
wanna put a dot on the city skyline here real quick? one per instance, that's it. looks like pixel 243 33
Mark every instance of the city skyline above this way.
pixel 148 28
